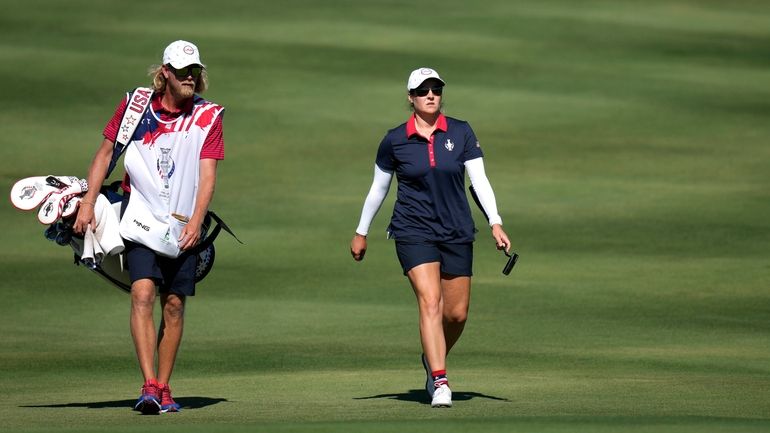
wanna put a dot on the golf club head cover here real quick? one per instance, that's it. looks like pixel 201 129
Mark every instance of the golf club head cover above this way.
pixel 51 209
pixel 30 192
pixel 71 207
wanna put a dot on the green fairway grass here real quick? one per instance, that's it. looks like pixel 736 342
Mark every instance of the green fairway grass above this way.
pixel 628 147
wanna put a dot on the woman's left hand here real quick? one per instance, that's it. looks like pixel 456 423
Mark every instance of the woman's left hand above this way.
pixel 501 239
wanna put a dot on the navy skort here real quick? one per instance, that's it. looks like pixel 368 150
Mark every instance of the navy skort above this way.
pixel 455 259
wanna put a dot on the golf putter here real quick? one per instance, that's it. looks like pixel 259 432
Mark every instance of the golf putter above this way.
pixel 512 257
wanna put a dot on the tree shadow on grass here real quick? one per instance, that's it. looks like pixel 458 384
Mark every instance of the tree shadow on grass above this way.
pixel 184 402
pixel 420 396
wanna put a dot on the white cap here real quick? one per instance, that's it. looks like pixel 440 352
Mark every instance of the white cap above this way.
pixel 419 75
pixel 180 54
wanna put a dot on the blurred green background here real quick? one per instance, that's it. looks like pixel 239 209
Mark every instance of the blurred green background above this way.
pixel 627 143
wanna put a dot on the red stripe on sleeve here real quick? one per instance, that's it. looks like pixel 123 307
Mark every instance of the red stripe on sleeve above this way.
pixel 214 146
pixel 111 129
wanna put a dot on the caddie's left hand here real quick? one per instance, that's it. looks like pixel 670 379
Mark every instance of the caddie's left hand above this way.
pixel 501 239
pixel 190 236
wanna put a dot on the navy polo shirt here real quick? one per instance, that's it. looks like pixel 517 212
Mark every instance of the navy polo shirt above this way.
pixel 431 203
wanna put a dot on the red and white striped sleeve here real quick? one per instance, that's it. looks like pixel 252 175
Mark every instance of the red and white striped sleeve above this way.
pixel 214 145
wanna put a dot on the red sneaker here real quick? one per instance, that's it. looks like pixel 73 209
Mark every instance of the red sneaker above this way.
pixel 149 402
pixel 167 403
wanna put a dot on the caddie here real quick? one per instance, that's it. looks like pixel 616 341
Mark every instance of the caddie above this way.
pixel 173 141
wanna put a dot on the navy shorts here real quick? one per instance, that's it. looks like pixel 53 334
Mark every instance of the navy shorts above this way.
pixel 175 276
pixel 455 259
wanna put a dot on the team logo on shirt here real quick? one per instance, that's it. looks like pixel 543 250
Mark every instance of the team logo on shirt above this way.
pixel 449 145
pixel 166 166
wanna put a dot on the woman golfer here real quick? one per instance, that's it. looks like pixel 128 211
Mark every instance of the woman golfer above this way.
pixel 431 223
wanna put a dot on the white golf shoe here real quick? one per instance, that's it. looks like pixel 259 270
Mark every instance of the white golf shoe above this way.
pixel 442 397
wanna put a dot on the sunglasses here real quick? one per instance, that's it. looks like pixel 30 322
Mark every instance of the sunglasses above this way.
pixel 438 90
pixel 192 70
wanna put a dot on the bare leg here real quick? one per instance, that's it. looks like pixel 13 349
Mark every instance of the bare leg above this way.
pixel 426 283
pixel 170 334
pixel 143 326
pixel 456 294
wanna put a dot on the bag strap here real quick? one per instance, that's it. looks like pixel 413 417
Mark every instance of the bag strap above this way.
pixel 214 233
pixel 138 101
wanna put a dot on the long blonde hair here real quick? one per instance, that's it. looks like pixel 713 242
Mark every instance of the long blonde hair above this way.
pixel 159 81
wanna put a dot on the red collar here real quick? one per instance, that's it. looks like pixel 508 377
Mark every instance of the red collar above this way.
pixel 411 127
pixel 157 106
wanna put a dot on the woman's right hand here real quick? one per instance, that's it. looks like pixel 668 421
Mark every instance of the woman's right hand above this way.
pixel 358 247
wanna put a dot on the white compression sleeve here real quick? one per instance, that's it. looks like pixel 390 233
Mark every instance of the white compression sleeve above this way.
pixel 377 193
pixel 475 169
